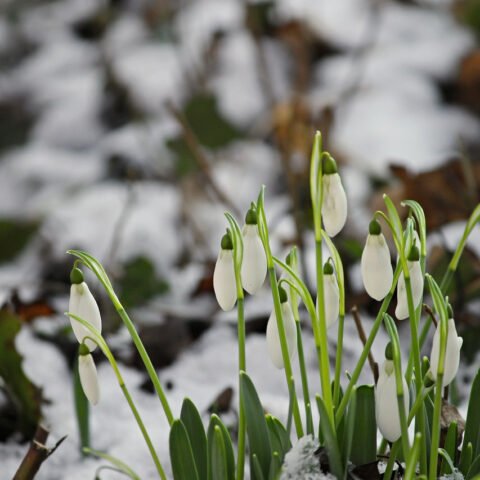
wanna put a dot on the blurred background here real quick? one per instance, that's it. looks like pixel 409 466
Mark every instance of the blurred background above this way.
pixel 127 128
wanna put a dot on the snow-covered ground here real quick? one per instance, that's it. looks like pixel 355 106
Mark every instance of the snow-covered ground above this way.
pixel 61 177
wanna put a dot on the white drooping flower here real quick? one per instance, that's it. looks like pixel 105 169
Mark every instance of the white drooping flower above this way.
pixel 88 378
pixel 274 347
pixel 334 204
pixel 386 404
pixel 331 295
pixel 452 353
pixel 416 280
pixel 254 263
pixel 376 265
pixel 83 305
pixel 224 283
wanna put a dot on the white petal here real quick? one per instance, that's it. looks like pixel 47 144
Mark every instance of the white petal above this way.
pixel 452 353
pixel 334 206
pixel 274 347
pixel 376 266
pixel 416 280
pixel 83 305
pixel 386 405
pixel 331 295
pixel 254 264
pixel 88 378
pixel 224 280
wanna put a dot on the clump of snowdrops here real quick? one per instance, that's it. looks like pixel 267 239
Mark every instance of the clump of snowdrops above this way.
pixel 408 391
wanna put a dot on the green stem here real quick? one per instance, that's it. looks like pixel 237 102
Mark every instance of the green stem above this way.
pixel 322 329
pixel 436 427
pixel 391 460
pixel 410 472
pixel 366 349
pixel 338 361
pixel 146 359
pixel 415 352
pixel 99 340
pixel 284 348
pixel 242 367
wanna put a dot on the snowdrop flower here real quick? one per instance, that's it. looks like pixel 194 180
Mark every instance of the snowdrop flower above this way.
pixel 224 283
pixel 334 204
pixel 386 404
pixel 83 305
pixel 331 295
pixel 254 264
pixel 376 266
pixel 416 280
pixel 273 338
pixel 452 352
pixel 88 375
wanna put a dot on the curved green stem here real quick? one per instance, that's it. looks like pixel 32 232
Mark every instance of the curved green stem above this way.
pixel 109 355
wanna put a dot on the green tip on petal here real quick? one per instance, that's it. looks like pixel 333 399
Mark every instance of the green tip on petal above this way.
pixel 374 228
pixel 389 351
pixel 328 269
pixel 76 276
pixel 83 350
pixel 226 242
pixel 251 216
pixel 330 165
pixel 283 294
pixel 414 255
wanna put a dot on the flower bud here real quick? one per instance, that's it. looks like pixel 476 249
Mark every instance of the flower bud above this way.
pixel 331 295
pixel 386 404
pixel 416 281
pixel 254 263
pixel 224 283
pixel 334 204
pixel 83 305
pixel 274 347
pixel 376 265
pixel 452 353
pixel 88 378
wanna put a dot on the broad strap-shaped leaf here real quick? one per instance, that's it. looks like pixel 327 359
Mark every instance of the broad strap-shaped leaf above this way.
pixel 275 466
pixel 218 462
pixel 474 470
pixel 450 448
pixel 215 423
pixel 466 458
pixel 330 440
pixel 181 454
pixel 472 425
pixel 196 433
pixel 279 438
pixel 257 430
pixel 365 427
pixel 348 431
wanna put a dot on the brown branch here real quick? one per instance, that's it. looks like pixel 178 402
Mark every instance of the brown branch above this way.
pixel 431 314
pixel 199 156
pixel 361 333
pixel 37 453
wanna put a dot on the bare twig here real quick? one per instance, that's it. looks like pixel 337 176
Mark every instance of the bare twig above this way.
pixel 361 333
pixel 37 453
pixel 199 156
pixel 430 313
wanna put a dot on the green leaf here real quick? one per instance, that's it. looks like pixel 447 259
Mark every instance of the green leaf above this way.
pixel 227 441
pixel 196 433
pixel 474 469
pixel 14 236
pixel 422 223
pixel 256 469
pixel 330 440
pixel 219 463
pixel 275 466
pixel 472 424
pixel 450 448
pixel 279 438
pixel 81 409
pixel 119 464
pixel 394 219
pixel 181 454
pixel 24 396
pixel 365 428
pixel 348 431
pixel 139 282
pixel 466 457
pixel 447 462
pixel 257 430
